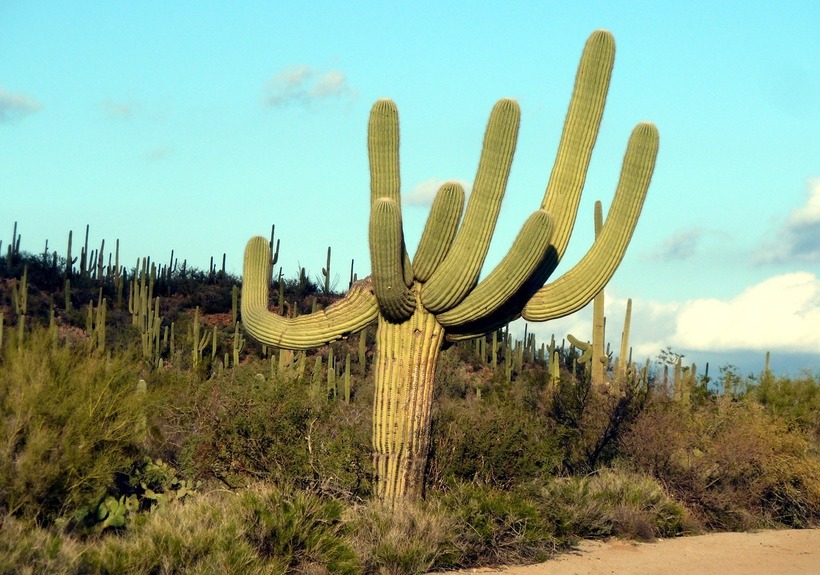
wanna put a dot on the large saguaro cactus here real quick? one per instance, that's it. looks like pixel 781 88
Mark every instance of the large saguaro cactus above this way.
pixel 422 303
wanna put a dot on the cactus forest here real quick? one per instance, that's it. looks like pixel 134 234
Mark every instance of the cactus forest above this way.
pixel 422 304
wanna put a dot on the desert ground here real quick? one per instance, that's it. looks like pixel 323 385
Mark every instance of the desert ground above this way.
pixel 782 552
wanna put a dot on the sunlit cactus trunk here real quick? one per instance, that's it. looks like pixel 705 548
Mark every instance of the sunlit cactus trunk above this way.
pixel 405 363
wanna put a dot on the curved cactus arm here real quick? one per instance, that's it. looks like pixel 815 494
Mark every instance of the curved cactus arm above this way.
pixel 510 310
pixel 576 288
pixel 350 314
pixel 583 119
pixel 459 271
pixel 584 346
pixel 439 231
pixel 520 263
pixel 396 301
pixel 383 153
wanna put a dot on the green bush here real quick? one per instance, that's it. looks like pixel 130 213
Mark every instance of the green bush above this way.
pixel 70 422
pixel 588 423
pixel 613 503
pixel 242 426
pixel 491 441
pixel 735 466
pixel 408 539
pixel 796 401
pixel 31 550
pixel 263 529
pixel 495 527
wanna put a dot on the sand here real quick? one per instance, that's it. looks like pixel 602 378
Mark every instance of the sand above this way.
pixel 782 552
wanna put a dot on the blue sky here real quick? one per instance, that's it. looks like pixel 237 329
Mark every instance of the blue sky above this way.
pixel 195 126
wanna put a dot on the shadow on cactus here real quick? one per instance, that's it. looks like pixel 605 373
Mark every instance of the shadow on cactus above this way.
pixel 421 304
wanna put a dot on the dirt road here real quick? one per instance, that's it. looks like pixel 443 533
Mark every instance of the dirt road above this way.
pixel 789 552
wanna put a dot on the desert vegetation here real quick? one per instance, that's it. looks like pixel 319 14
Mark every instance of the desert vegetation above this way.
pixel 154 421
pixel 122 457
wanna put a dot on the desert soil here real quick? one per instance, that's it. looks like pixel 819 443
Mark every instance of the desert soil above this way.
pixel 786 552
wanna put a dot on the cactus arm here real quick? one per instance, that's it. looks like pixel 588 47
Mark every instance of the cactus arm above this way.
pixel 520 263
pixel 576 288
pixel 383 154
pixel 580 131
pixel 460 269
pixel 350 314
pixel 383 151
pixel 396 301
pixel 439 231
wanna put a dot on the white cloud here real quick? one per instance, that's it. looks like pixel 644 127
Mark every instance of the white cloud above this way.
pixel 425 192
pixel 798 240
pixel 782 312
pixel 15 106
pixel 303 85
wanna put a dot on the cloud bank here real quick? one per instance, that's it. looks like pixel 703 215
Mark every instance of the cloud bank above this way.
pixel 304 86
pixel 16 106
pixel 781 313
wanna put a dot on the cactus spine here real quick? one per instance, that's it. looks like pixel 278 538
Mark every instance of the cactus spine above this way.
pixel 418 306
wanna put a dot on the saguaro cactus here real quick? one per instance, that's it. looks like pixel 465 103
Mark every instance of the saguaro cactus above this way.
pixel 420 305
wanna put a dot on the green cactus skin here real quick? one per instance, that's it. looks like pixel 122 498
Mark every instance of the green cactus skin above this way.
pixel 574 290
pixel 326 272
pixel 440 230
pixel 420 306
pixel 458 273
pixel 498 288
pixel 357 310
pixel 624 360
pixel 386 254
pixel 406 357
pixel 598 368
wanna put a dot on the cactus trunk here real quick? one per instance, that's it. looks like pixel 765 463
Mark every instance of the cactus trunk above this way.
pixel 405 366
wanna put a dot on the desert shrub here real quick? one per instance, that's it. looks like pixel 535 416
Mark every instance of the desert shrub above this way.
pixel 495 527
pixel 491 441
pixel 732 464
pixel 27 549
pixel 588 422
pixel 409 538
pixel 247 428
pixel 340 448
pixel 610 503
pixel 299 527
pixel 242 426
pixel 795 400
pixel 205 535
pixel 70 422
pixel 264 529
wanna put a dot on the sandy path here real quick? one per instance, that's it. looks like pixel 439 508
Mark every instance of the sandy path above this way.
pixel 788 552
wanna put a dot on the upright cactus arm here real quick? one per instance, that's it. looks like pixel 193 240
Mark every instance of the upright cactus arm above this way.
pixel 580 132
pixel 383 152
pixel 396 301
pixel 576 288
pixel 350 314
pixel 459 271
pixel 439 231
